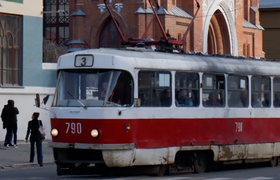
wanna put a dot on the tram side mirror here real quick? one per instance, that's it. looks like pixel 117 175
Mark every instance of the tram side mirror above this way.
pixel 137 102
pixel 45 99
pixel 37 100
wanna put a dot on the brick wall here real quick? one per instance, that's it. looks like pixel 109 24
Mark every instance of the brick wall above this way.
pixel 88 28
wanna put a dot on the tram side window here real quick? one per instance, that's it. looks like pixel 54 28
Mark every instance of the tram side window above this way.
pixel 213 90
pixel 260 91
pixel 120 89
pixel 154 88
pixel 187 89
pixel 238 91
pixel 276 92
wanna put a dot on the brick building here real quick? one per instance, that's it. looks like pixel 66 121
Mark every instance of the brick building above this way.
pixel 221 26
pixel 269 18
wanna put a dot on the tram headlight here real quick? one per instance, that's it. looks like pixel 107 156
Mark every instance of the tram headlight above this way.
pixel 94 133
pixel 54 132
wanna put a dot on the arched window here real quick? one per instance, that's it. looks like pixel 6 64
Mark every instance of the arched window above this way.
pixel 10 55
pixel 109 36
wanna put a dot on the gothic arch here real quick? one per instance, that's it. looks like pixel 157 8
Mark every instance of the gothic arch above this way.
pixel 228 23
pixel 212 44
pixel 218 35
pixel 100 22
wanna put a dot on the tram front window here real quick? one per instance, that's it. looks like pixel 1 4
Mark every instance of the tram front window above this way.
pixel 93 88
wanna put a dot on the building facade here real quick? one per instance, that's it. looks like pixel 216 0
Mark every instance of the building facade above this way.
pixel 269 18
pixel 22 71
pixel 221 26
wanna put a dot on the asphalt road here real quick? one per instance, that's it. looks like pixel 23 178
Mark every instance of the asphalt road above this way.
pixel 234 173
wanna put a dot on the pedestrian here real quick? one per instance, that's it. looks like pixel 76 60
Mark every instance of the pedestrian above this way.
pixel 35 137
pixel 184 99
pixel 4 120
pixel 10 113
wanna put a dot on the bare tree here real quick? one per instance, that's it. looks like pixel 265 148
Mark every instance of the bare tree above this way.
pixel 51 51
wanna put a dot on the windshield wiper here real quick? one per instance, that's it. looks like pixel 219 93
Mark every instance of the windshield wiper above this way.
pixel 84 106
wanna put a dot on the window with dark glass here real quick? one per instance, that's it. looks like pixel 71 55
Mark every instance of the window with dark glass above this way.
pixel 276 92
pixel 56 21
pixel 187 89
pixel 154 88
pixel 10 50
pixel 109 35
pixel 260 86
pixel 213 90
pixel 237 91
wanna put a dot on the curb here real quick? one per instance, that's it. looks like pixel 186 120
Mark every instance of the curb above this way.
pixel 23 142
pixel 24 165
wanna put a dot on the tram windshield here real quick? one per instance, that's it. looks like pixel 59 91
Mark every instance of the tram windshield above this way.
pixel 93 88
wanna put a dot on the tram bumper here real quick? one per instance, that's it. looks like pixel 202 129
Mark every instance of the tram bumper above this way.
pixel 113 155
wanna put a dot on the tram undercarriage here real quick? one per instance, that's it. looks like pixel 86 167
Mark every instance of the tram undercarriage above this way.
pixel 86 162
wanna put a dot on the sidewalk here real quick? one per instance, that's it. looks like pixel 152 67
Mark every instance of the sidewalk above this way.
pixel 17 157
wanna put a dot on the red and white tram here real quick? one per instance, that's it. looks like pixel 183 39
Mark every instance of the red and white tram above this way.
pixel 163 111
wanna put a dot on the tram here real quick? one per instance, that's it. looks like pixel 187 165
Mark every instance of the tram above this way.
pixel 118 109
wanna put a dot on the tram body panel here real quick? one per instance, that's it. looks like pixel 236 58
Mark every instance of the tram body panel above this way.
pixel 118 158
pixel 140 157
pixel 158 128
pixel 246 151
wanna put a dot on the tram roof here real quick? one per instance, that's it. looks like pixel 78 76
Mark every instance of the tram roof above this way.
pixel 143 59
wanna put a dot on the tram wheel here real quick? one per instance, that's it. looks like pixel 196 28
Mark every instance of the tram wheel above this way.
pixel 200 162
pixel 273 161
pixel 161 170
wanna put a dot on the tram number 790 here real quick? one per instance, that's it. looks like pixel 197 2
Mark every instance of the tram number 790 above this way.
pixel 239 126
pixel 74 128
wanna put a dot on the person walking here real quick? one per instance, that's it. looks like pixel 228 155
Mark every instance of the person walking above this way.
pixel 10 113
pixel 35 137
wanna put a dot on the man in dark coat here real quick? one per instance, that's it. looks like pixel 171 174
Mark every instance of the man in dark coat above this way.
pixel 4 120
pixel 10 113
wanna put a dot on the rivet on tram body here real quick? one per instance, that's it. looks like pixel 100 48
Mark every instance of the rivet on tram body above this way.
pixel 126 127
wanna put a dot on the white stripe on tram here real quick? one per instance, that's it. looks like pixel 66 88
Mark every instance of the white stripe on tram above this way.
pixel 218 179
pixel 183 178
pixel 259 178
pixel 179 178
